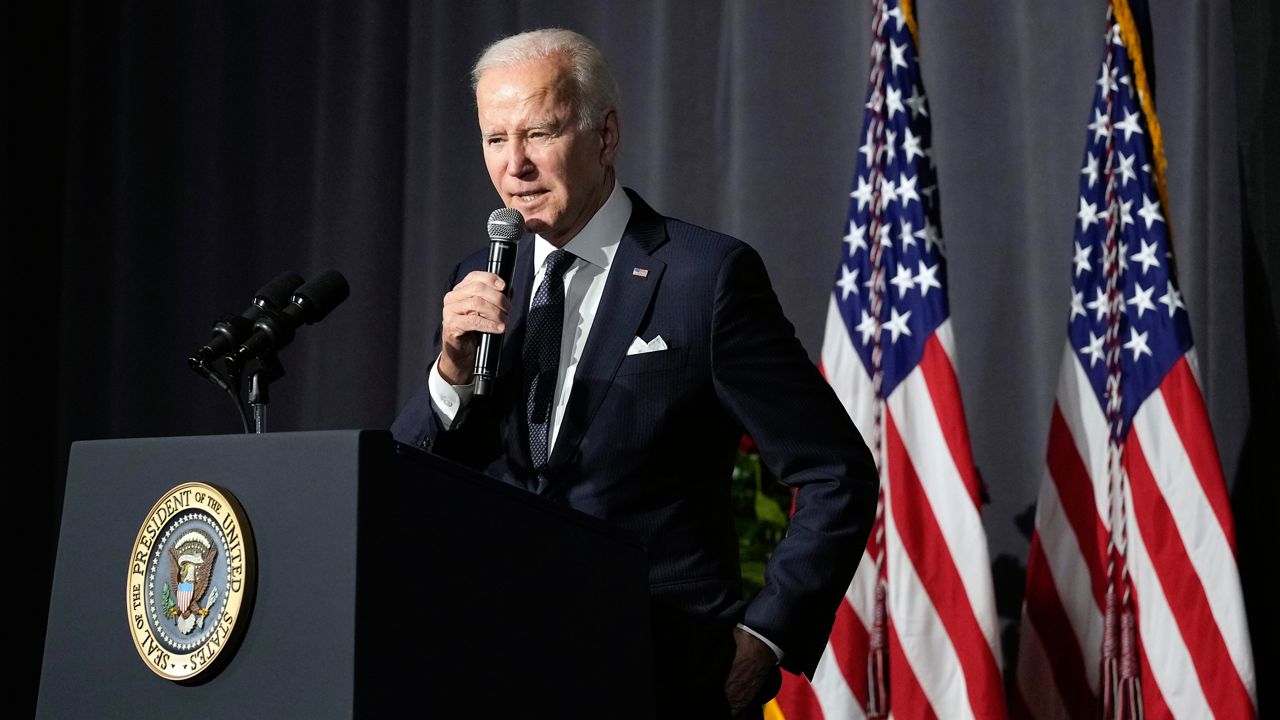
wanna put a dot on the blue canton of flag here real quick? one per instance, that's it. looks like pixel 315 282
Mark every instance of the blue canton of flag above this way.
pixel 1153 331
pixel 893 209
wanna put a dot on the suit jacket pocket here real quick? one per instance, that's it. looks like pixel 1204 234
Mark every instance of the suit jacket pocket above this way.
pixel 656 361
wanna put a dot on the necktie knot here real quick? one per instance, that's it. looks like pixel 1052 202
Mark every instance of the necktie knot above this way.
pixel 556 264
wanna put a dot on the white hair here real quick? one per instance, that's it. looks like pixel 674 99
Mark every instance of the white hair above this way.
pixel 591 86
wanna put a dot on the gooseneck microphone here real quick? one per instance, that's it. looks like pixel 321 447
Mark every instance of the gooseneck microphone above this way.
pixel 231 330
pixel 506 225
pixel 310 304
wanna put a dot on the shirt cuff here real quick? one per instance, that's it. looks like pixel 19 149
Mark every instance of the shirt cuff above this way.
pixel 448 401
pixel 777 651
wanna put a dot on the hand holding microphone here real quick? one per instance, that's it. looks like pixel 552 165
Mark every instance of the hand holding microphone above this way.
pixel 475 310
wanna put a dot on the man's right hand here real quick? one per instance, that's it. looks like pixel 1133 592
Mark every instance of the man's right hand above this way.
pixel 475 305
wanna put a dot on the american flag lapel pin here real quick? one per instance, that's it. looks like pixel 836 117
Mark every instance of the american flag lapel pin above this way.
pixel 640 272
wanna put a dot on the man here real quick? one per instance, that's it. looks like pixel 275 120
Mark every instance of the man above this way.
pixel 637 350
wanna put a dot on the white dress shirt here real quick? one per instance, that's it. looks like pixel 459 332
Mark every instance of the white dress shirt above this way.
pixel 593 249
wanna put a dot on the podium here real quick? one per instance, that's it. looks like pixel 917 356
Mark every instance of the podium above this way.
pixel 385 578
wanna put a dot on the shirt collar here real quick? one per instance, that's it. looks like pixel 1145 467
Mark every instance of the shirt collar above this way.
pixel 597 242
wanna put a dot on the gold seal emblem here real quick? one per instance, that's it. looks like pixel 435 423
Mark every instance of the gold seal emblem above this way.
pixel 190 580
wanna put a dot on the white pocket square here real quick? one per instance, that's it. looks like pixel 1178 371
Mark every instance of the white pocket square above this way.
pixel 639 346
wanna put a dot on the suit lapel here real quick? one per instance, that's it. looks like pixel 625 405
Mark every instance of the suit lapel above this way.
pixel 627 297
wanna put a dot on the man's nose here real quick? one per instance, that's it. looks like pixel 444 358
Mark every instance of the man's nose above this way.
pixel 518 161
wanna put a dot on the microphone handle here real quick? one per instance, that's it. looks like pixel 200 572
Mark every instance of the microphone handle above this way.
pixel 502 262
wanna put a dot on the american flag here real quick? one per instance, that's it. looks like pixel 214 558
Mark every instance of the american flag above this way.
pixel 1133 604
pixel 916 633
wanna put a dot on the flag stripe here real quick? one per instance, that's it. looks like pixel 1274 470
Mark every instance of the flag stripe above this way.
pixel 1047 621
pixel 1036 680
pixel 1074 491
pixel 844 692
pixel 937 475
pixel 940 376
pixel 850 654
pixel 1219 678
pixel 1169 658
pixel 1187 414
pixel 923 544
pixel 1205 542
pixel 908 697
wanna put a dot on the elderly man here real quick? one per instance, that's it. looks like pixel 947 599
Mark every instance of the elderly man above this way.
pixel 638 349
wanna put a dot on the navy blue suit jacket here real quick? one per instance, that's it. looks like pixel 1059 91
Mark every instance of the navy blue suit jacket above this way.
pixel 648 441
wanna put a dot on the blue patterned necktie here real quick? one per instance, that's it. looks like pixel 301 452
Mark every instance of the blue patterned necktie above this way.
pixel 541 354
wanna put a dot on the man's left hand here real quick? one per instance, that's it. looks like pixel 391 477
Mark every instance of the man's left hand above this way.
pixel 752 663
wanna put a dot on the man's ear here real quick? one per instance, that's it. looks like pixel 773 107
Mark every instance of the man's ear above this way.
pixel 609 136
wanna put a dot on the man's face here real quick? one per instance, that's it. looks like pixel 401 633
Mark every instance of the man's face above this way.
pixel 541 164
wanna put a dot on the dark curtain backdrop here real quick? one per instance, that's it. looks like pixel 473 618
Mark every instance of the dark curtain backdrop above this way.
pixel 164 160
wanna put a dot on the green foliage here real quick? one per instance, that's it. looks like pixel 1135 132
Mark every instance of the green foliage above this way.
pixel 759 503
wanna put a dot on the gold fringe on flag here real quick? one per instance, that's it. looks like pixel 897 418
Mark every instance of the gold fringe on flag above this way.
pixel 1133 43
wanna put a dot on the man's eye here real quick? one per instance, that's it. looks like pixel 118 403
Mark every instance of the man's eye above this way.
pixel 493 141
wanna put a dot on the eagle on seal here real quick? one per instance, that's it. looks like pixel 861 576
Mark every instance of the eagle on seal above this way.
pixel 191 561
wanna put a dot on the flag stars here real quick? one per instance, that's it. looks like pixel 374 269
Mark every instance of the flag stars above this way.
pixel 1126 218
pixel 1146 256
pixel 869 148
pixel 898 54
pixel 1082 258
pixel 908 239
pixel 927 277
pixel 1098 304
pixel 863 193
pixel 882 235
pixel 856 238
pixel 1150 211
pixel 929 234
pixel 867 327
pixel 1129 125
pixel 1090 169
pixel 1172 299
pixel 893 99
pixel 911 145
pixel 1094 349
pixel 1141 299
pixel 903 280
pixel 897 325
pixel 1100 127
pixel 1077 304
pixel 1088 215
pixel 1137 343
pixel 917 103
pixel 895 14
pixel 1107 79
pixel 890 148
pixel 1126 168
pixel 907 190
pixel 847 282
pixel 888 192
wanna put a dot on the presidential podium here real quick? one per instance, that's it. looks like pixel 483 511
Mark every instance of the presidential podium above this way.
pixel 387 580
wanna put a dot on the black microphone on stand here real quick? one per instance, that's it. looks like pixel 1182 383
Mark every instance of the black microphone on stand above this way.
pixel 309 304
pixel 231 330
pixel 506 225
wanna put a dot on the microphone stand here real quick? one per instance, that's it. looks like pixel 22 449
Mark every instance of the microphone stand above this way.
pixel 269 370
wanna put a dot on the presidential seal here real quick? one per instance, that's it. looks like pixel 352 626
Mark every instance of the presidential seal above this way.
pixel 190 580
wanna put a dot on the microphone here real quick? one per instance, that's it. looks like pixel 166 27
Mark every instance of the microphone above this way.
pixel 231 330
pixel 309 304
pixel 506 225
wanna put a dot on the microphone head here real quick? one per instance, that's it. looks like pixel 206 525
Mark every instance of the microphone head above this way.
pixel 277 292
pixel 321 295
pixel 506 224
